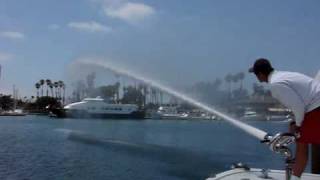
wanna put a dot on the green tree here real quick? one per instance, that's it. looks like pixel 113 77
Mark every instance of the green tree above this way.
pixel 107 92
pixel 6 102
pixel 133 96
pixel 43 102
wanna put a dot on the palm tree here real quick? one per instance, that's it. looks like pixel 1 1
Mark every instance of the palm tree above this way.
pixel 48 82
pixel 41 84
pixel 51 88
pixel 56 85
pixel 37 87
pixel 228 80
pixel 154 95
pixel 62 89
pixel 64 93
pixel 161 97
pixel 61 84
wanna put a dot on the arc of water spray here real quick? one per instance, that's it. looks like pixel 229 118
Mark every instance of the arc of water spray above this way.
pixel 317 78
pixel 245 127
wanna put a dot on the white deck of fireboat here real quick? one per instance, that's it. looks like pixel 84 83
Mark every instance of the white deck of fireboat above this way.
pixel 256 174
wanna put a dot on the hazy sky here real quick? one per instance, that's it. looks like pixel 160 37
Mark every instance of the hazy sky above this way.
pixel 177 41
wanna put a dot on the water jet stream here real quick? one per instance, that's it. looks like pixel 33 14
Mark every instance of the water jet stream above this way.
pixel 245 127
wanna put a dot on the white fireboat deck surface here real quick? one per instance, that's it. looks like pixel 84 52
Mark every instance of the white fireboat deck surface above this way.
pixel 256 174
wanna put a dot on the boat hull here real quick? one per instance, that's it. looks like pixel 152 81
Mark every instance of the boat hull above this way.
pixel 62 113
pixel 258 174
pixel 13 114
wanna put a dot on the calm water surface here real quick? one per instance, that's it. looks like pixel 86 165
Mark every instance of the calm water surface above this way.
pixel 38 148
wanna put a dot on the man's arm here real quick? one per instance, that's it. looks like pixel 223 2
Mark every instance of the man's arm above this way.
pixel 288 97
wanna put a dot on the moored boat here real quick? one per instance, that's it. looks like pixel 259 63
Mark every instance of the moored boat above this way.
pixel 16 112
pixel 171 112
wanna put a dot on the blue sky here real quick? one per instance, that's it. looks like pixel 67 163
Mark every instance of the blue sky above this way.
pixel 176 41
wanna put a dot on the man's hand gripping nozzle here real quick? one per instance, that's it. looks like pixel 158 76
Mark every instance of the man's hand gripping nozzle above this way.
pixel 279 144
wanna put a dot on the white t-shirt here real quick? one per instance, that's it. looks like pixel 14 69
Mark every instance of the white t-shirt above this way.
pixel 297 91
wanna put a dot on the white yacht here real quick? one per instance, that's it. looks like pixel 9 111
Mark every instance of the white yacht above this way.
pixel 99 108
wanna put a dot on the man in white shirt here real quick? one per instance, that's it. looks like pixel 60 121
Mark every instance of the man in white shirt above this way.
pixel 301 94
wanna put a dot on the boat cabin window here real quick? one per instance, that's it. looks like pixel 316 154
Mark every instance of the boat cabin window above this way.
pixel 112 109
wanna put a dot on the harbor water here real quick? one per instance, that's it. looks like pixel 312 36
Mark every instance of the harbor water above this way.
pixel 38 147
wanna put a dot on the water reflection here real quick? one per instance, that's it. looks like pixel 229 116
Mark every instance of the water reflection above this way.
pixel 180 162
